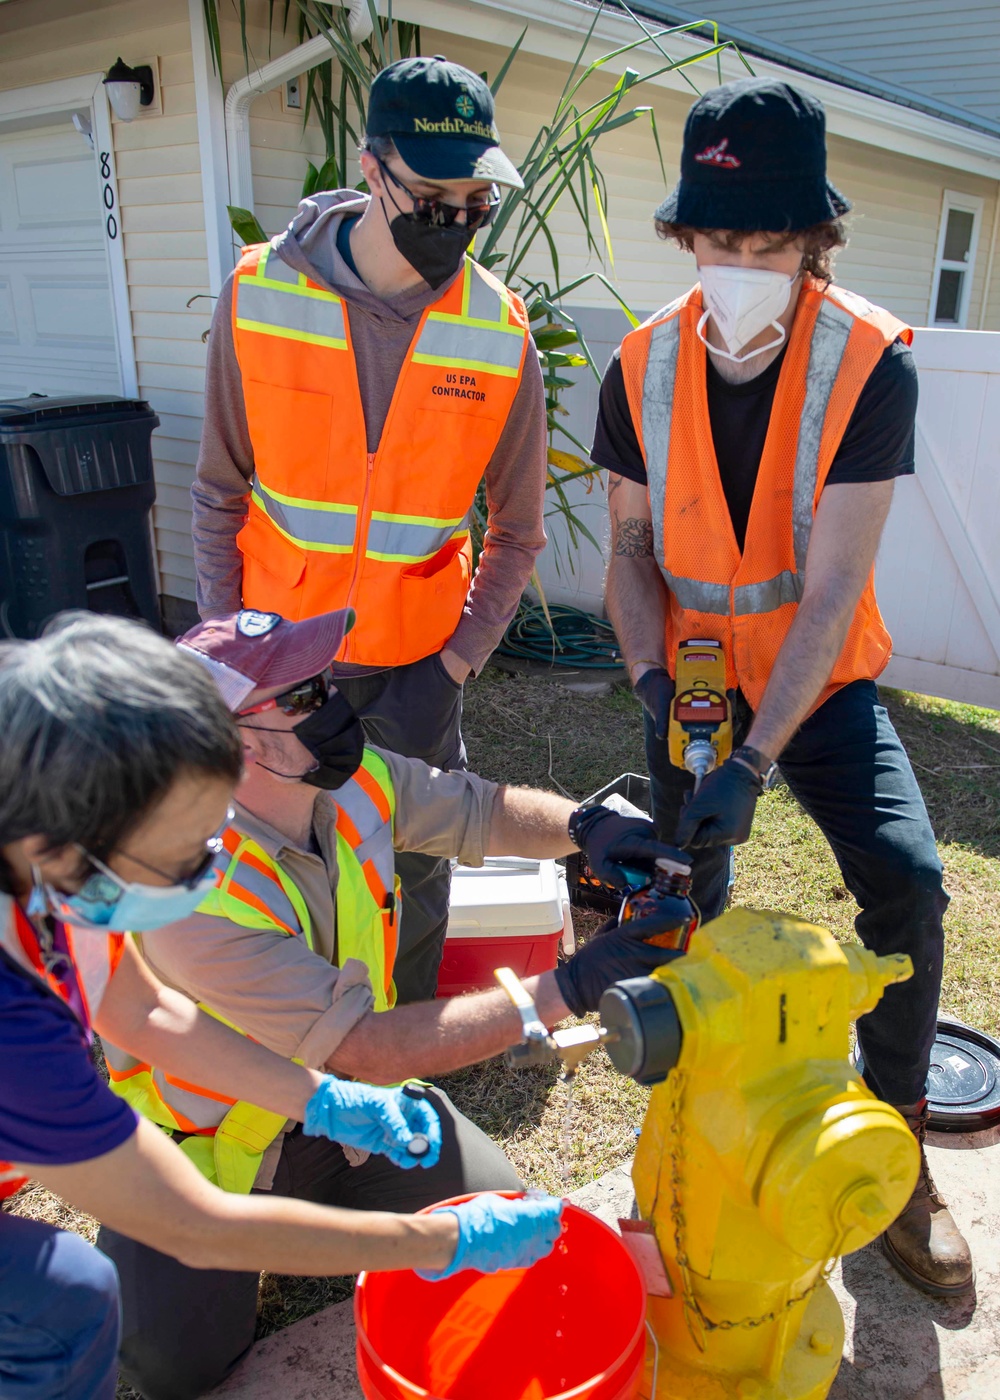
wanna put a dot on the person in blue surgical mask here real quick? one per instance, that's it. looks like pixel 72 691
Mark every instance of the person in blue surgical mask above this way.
pixel 118 761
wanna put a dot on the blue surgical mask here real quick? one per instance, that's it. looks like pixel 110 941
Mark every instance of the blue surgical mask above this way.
pixel 110 905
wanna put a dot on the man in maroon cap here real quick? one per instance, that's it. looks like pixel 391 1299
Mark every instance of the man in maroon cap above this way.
pixel 296 947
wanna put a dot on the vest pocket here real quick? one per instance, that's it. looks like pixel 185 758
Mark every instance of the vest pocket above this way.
pixel 431 597
pixel 269 560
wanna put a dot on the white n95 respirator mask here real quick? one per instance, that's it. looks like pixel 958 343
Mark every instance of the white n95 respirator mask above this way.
pixel 743 301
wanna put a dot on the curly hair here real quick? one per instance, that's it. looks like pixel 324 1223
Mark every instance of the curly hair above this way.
pixel 820 242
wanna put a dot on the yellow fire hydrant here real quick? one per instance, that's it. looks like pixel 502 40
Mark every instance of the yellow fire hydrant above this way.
pixel 763 1156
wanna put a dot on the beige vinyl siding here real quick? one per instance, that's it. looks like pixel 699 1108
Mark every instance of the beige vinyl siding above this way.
pixel 894 228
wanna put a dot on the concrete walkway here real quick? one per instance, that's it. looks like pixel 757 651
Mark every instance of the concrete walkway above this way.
pixel 901 1345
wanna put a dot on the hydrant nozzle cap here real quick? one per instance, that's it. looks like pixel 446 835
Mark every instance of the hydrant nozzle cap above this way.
pixel 895 967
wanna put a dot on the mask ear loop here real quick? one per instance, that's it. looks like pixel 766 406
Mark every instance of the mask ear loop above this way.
pixel 728 354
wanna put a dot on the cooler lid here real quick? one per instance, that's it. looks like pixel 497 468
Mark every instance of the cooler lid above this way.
pixel 963 1085
pixel 506 892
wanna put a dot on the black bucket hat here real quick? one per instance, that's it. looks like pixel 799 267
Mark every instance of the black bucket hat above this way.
pixel 440 117
pixel 754 160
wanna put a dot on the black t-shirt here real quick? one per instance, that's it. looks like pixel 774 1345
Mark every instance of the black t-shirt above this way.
pixel 877 443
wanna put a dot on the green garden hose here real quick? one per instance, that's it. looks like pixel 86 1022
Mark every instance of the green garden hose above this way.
pixel 575 638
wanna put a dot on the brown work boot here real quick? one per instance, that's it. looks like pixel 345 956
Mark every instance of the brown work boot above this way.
pixel 924 1243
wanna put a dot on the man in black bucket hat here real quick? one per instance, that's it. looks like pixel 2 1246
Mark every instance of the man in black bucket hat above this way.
pixel 752 431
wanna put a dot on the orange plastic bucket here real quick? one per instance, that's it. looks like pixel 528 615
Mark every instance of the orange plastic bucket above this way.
pixel 572 1327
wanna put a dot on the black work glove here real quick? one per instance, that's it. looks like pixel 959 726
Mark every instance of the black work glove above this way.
pixel 721 812
pixel 654 691
pixel 611 955
pixel 621 850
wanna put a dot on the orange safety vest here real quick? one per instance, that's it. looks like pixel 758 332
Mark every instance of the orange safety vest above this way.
pixel 747 602
pixel 331 525
pixel 227 1138
pixel 95 957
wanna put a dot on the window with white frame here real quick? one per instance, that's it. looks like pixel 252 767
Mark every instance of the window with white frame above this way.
pixel 956 259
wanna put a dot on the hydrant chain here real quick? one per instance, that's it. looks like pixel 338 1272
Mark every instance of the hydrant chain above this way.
pixel 691 1303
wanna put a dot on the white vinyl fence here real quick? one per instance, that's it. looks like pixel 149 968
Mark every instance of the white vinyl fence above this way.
pixel 938 570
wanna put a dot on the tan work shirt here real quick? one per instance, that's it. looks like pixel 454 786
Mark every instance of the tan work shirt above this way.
pixel 295 1001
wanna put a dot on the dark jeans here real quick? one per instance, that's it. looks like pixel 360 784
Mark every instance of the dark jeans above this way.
pixel 59 1314
pixel 416 711
pixel 850 773
pixel 185 1329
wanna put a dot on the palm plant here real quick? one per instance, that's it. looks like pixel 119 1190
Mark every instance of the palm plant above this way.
pixel 560 168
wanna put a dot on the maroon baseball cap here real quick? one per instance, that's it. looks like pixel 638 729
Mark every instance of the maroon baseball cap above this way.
pixel 254 655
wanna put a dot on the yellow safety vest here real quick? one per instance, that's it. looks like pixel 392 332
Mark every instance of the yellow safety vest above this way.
pixel 227 1138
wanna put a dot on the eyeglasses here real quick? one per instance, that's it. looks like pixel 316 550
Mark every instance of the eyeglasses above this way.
pixel 213 847
pixel 302 699
pixel 441 215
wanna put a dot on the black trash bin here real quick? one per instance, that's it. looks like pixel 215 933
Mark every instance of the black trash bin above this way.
pixel 76 489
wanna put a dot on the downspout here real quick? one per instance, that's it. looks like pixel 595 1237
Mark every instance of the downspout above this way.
pixel 241 95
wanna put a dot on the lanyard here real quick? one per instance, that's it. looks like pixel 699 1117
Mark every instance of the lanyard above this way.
pixel 48 947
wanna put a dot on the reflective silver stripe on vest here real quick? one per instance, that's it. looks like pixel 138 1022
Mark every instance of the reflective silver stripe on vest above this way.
pixel 199 1109
pixel 313 525
pixel 826 352
pixel 768 596
pixel 375 834
pixel 657 410
pixel 301 314
pixel 261 886
pixel 455 342
pixel 408 540
pixel 276 270
pixel 696 596
pixel 485 303
pixel 829 340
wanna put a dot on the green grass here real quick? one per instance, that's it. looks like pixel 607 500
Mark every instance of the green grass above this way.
pixel 536 733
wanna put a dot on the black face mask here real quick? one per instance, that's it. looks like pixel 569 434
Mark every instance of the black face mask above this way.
pixel 334 737
pixel 435 252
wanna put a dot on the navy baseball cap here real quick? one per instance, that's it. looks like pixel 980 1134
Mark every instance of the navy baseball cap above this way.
pixel 441 119
pixel 754 160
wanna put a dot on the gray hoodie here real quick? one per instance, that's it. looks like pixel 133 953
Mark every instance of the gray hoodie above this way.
pixel 381 332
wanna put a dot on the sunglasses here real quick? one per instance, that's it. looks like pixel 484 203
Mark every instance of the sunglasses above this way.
pixel 213 847
pixel 302 699
pixel 437 213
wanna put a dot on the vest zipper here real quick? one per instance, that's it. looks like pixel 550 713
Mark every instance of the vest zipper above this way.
pixel 360 544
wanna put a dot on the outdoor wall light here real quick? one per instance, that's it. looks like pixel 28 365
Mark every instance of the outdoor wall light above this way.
pixel 129 89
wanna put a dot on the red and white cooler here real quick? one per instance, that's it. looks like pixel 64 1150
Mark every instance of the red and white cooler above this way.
pixel 509 912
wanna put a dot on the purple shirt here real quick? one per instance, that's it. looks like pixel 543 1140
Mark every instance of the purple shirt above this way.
pixel 55 1108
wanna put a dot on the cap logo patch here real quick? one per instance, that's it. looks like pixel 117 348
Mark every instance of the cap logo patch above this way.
pixel 251 623
pixel 717 155
pixel 464 105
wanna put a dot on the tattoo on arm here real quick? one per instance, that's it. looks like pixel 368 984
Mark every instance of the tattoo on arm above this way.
pixel 634 537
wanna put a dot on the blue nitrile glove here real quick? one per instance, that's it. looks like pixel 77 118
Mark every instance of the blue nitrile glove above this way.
pixel 620 850
pixel 497 1233
pixel 655 690
pixel 614 953
pixel 375 1120
pixel 721 812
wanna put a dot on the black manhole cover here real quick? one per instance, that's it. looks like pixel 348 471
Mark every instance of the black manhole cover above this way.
pixel 963 1086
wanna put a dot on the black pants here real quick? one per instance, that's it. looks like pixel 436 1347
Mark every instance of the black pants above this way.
pixel 184 1329
pixel 850 773
pixel 416 711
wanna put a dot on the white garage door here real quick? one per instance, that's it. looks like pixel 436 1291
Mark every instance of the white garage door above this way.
pixel 57 331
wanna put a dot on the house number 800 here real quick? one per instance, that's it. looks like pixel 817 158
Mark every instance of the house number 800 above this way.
pixel 108 195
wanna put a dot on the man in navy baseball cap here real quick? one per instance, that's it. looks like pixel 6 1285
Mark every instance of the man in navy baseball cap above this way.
pixel 752 430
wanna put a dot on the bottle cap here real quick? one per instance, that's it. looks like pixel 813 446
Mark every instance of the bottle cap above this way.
pixel 418 1145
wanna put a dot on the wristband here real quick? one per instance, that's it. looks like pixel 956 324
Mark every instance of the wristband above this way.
pixel 765 769
pixel 580 820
